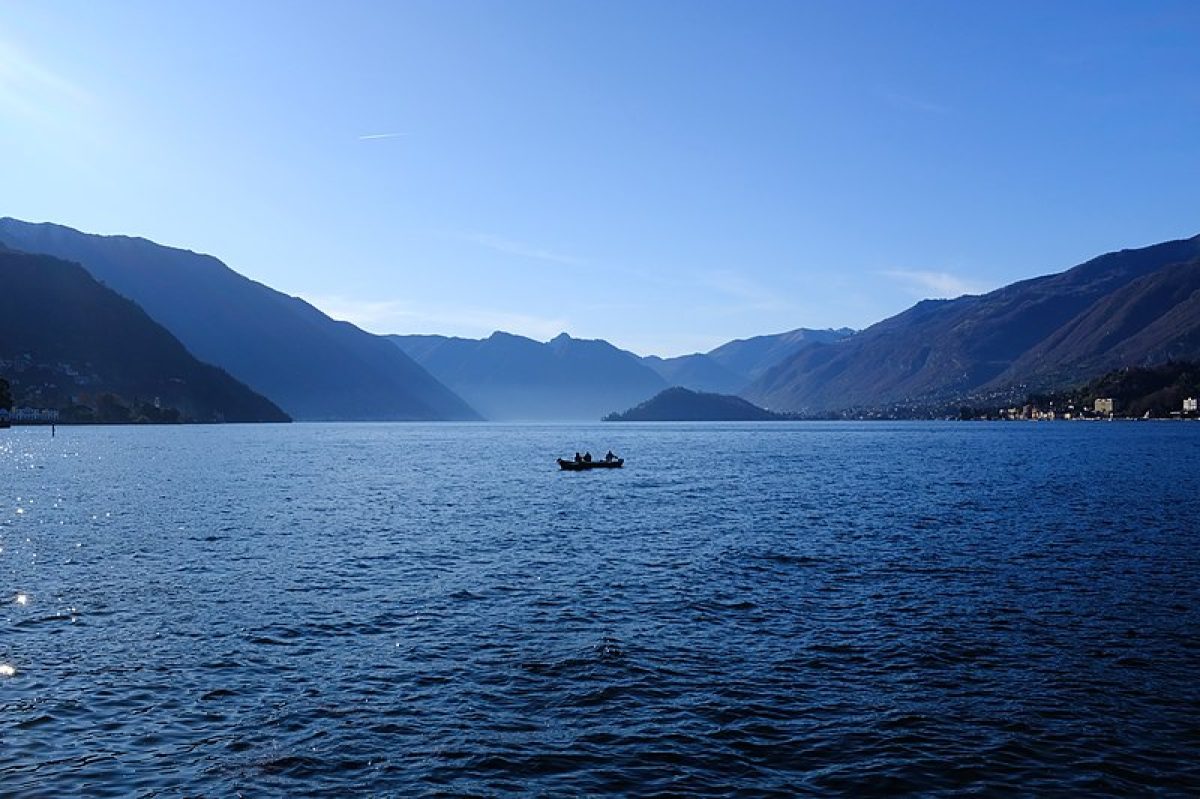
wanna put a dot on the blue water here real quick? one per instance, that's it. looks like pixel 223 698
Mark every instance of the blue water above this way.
pixel 770 610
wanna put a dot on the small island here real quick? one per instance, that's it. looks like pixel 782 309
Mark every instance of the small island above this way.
pixel 683 405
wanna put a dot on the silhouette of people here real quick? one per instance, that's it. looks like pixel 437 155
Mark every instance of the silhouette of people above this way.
pixel 610 457
pixel 587 457
pixel 578 458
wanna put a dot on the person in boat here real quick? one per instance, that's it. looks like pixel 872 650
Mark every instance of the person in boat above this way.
pixel 587 457
pixel 609 457
pixel 578 458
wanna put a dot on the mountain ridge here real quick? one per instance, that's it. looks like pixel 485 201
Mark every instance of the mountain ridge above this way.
pixel 314 367
pixel 1135 306
pixel 736 364
pixel 940 349
pixel 515 378
pixel 63 335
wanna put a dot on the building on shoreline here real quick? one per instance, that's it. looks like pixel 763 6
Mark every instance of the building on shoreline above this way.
pixel 33 416
pixel 1105 405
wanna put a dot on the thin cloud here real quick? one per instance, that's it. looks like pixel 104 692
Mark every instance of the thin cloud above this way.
pixel 374 136
pixel 666 345
pixel 910 103
pixel 394 316
pixel 30 90
pixel 593 266
pixel 934 285
pixel 523 250
pixel 480 322
pixel 748 294
pixel 366 314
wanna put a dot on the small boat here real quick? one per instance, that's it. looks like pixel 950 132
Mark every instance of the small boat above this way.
pixel 581 466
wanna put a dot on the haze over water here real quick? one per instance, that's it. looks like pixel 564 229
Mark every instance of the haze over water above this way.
pixel 753 610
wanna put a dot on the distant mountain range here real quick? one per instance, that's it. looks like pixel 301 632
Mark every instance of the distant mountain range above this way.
pixel 1135 307
pixel 733 366
pixel 699 371
pixel 312 366
pixel 682 405
pixel 1128 308
pixel 66 340
pixel 753 357
pixel 509 377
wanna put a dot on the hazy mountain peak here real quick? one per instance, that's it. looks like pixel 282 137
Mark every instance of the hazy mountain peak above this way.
pixel 753 357
pixel 501 335
pixel 510 377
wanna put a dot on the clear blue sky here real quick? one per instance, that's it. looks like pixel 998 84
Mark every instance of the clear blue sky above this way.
pixel 667 175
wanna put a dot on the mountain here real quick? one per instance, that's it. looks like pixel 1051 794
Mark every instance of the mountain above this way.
pixel 731 367
pixel 700 372
pixel 315 368
pixel 1154 319
pixel 511 377
pixel 1135 391
pixel 682 405
pixel 1122 308
pixel 752 357
pixel 63 336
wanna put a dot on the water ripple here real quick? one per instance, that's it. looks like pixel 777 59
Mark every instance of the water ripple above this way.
pixel 752 611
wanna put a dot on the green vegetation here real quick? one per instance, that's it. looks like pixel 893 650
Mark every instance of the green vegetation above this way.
pixel 111 409
pixel 5 395
pixel 1157 390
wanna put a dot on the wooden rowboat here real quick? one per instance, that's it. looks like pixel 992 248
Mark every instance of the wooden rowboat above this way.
pixel 582 466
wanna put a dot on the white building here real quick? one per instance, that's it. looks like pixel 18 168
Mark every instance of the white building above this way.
pixel 1104 405
pixel 34 415
pixel 1189 405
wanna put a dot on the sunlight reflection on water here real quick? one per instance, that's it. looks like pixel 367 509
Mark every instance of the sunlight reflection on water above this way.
pixel 424 610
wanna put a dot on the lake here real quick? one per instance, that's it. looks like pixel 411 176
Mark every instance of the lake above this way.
pixel 743 610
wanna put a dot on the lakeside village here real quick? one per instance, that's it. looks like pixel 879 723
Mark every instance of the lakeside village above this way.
pixel 22 415
pixel 58 393
pixel 1103 408
pixel 1165 391
pixel 1099 409
pixel 27 416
